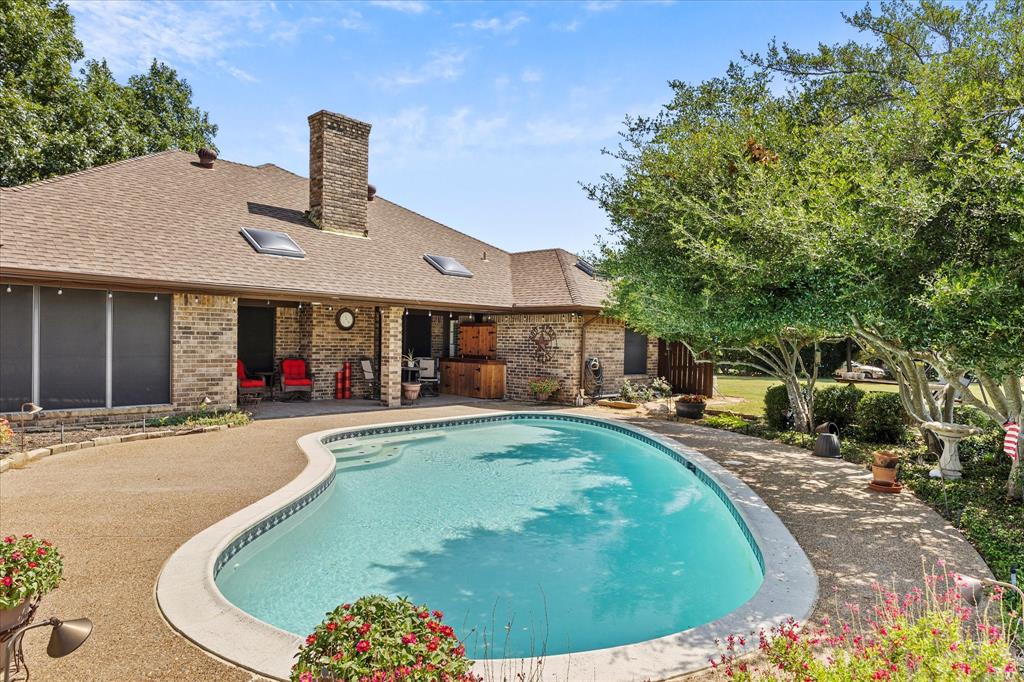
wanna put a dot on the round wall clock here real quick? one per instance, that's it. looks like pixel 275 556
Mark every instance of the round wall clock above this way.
pixel 345 319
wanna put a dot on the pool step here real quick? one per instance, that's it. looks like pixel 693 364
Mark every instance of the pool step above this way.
pixel 382 456
pixel 369 447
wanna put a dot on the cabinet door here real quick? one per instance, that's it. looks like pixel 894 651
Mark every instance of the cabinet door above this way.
pixel 490 341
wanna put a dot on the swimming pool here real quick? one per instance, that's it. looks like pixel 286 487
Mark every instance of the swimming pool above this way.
pixel 590 521
pixel 534 535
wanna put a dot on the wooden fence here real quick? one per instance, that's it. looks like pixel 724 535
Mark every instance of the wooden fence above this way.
pixel 677 364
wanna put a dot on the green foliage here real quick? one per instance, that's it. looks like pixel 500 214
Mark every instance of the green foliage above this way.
pixel 53 123
pixel 232 418
pixel 6 432
pixel 379 638
pixel 776 405
pixel 881 418
pixel 542 385
pixel 837 404
pixel 726 422
pixel 636 393
pixel 28 568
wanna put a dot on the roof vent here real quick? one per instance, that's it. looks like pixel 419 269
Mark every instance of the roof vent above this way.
pixel 447 265
pixel 586 267
pixel 371 192
pixel 207 157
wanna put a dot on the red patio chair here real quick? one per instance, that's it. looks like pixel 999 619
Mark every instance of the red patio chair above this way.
pixel 296 378
pixel 249 388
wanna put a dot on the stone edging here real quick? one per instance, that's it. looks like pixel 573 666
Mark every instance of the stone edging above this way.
pixel 192 604
pixel 19 460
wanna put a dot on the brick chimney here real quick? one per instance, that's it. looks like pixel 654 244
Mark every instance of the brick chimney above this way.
pixel 339 150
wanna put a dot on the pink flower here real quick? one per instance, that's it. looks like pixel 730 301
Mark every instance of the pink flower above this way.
pixel 16 556
pixel 433 644
pixel 311 640
pixel 362 646
pixel 332 626
pixel 348 618
pixel 7 581
pixel 306 677
pixel 424 615
pixel 41 551
pixel 364 628
pixel 9 540
pixel 409 638
pixel 459 651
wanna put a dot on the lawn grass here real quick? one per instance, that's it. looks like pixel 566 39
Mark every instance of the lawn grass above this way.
pixel 751 391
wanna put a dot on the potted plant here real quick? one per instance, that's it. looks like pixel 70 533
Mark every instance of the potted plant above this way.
pixel 542 387
pixel 690 406
pixel 29 568
pixel 883 471
pixel 409 359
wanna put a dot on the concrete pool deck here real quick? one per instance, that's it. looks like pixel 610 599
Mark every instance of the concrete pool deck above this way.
pixel 118 512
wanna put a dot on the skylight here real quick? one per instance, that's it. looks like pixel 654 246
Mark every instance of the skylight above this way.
pixel 447 265
pixel 271 242
pixel 586 267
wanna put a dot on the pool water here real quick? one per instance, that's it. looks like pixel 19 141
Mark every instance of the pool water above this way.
pixel 532 535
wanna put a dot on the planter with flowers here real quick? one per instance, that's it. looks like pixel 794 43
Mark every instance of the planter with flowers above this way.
pixel 29 568
pixel 691 406
pixel 542 387
pixel 378 638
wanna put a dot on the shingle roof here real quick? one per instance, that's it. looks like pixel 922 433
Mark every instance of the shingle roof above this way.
pixel 163 220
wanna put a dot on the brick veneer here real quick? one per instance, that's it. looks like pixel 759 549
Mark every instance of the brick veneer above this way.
pixel 291 338
pixel 331 347
pixel 391 355
pixel 204 347
pixel 437 340
pixel 339 151
pixel 521 363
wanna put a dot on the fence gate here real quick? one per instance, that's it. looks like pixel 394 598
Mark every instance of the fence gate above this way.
pixel 677 364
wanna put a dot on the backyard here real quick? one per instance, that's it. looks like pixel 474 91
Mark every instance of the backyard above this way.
pixel 745 395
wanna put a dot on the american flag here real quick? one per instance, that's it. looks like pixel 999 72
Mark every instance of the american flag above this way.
pixel 1012 436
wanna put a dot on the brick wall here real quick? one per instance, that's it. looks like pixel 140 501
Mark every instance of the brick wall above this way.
pixel 606 340
pixel 521 361
pixel 204 348
pixel 332 347
pixel 437 339
pixel 339 150
pixel 391 355
pixel 290 339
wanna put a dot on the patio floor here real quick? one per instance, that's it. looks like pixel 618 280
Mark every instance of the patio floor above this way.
pixel 299 408
pixel 117 512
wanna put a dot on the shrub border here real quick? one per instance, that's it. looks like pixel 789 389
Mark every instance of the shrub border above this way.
pixel 189 599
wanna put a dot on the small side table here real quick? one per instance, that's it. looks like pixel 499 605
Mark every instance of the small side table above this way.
pixel 268 380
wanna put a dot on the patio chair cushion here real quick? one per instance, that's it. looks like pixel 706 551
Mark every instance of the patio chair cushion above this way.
pixel 293 369
pixel 251 383
pixel 297 381
pixel 240 368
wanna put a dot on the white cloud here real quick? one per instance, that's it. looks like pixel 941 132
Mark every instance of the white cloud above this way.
pixel 568 27
pixel 443 65
pixel 531 76
pixel 406 6
pixel 496 25
pixel 236 72
pixel 601 5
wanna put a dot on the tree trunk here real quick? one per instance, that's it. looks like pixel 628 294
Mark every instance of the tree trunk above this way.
pixel 1015 483
pixel 803 420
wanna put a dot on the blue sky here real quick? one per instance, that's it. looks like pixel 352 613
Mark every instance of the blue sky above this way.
pixel 486 115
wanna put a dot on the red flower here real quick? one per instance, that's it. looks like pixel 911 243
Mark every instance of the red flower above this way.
pixel 438 614
pixel 41 551
pixel 16 556
pixel 348 618
pixel 362 646
pixel 32 564
pixel 311 640
pixel 346 606
pixel 7 581
pixel 447 631
pixel 459 651
pixel 424 615
pixel 27 535
pixel 9 540
pixel 409 638
pixel 433 644
pixel 338 656
pixel 332 626
pixel 364 628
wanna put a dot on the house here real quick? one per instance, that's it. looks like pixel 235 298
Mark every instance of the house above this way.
pixel 134 287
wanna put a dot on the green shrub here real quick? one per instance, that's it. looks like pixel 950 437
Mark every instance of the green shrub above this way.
pixel 635 393
pixel 202 418
pixel 972 416
pixel 379 638
pixel 661 387
pixel 776 405
pixel 726 422
pixel 837 404
pixel 880 418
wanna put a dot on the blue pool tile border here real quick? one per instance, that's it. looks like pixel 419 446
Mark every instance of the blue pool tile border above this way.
pixel 256 530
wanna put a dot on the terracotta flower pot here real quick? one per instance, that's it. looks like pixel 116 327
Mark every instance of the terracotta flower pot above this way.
pixel 541 397
pixel 410 391
pixel 13 617
pixel 883 474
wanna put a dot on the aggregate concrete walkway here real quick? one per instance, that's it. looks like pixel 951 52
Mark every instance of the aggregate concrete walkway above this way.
pixel 117 512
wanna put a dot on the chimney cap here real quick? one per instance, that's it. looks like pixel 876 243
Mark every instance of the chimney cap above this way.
pixel 207 157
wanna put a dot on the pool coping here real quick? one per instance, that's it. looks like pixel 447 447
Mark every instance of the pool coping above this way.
pixel 190 601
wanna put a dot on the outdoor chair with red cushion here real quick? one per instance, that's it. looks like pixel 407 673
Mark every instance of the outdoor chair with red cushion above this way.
pixel 249 386
pixel 296 378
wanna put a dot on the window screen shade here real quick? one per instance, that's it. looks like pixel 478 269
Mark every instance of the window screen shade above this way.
pixel 447 265
pixel 72 348
pixel 635 356
pixel 141 367
pixel 15 347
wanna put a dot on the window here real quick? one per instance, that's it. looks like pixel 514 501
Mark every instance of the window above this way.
pixel 15 347
pixel 67 348
pixel 586 267
pixel 635 357
pixel 271 242
pixel 447 265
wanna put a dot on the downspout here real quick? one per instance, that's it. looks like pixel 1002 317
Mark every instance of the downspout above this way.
pixel 583 348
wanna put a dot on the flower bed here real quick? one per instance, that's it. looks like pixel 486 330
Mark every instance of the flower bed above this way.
pixel 378 639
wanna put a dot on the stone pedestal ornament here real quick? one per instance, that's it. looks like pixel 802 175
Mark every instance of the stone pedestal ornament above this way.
pixel 950 434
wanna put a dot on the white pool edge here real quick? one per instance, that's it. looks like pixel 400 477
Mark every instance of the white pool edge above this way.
pixel 190 601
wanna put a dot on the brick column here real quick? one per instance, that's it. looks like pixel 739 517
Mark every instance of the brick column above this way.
pixel 204 347
pixel 391 355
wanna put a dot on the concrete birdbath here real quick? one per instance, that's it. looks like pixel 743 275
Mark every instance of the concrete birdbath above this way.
pixel 950 434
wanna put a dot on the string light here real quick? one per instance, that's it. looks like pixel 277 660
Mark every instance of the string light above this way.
pixel 60 292
pixel 156 297
pixel 8 288
pixel 110 294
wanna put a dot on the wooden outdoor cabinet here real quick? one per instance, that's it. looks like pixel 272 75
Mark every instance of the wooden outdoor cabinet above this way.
pixel 474 378
pixel 478 339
